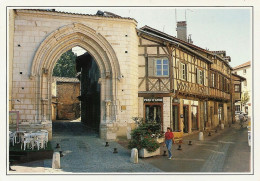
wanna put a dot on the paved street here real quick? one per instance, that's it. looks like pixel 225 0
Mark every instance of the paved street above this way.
pixel 84 152
pixel 225 151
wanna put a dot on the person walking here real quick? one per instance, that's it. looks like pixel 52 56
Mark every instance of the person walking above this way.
pixel 168 141
pixel 241 119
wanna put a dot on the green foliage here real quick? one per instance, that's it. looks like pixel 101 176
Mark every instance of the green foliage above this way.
pixel 66 65
pixel 144 136
pixel 245 97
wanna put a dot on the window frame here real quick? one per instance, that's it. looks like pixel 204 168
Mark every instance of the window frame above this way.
pixel 162 67
pixel 183 71
pixel 237 86
pixel 200 76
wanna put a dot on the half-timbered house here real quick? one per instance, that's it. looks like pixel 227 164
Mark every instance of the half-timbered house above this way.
pixel 181 85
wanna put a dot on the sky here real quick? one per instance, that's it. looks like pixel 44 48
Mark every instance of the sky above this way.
pixel 212 28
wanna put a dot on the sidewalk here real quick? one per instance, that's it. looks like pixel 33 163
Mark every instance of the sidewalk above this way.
pixel 224 151
pixel 84 152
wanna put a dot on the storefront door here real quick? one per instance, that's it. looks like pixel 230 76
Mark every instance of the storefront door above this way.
pixel 153 112
pixel 194 117
pixel 185 118
pixel 220 113
pixel 175 117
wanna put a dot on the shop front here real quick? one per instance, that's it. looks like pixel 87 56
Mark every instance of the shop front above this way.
pixel 153 110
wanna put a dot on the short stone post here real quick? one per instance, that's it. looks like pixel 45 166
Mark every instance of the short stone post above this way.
pixel 222 126
pixel 56 160
pixel 134 155
pixel 201 136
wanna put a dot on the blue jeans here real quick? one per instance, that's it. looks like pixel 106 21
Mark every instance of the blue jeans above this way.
pixel 169 147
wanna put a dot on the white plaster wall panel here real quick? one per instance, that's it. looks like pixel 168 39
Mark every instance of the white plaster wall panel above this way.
pixel 166 113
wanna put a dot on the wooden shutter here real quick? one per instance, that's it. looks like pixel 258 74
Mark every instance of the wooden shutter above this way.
pixel 197 75
pixel 205 81
pixel 188 72
pixel 151 67
pixel 180 70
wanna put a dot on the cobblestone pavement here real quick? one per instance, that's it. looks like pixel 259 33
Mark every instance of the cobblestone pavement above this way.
pixel 224 151
pixel 84 152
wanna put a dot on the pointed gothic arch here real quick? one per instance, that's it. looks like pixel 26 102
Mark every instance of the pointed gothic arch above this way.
pixel 59 42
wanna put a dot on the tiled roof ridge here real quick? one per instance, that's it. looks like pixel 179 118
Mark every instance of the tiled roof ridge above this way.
pixel 242 65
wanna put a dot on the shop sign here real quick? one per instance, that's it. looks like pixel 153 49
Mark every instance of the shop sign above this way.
pixel 153 99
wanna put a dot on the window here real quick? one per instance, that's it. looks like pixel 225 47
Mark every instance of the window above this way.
pixel 212 80
pixel 237 107
pixel 237 88
pixel 244 71
pixel 200 76
pixel 153 113
pixel 162 67
pixel 183 71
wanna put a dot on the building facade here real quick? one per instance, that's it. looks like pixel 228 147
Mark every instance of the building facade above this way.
pixel 143 72
pixel 181 85
pixel 244 70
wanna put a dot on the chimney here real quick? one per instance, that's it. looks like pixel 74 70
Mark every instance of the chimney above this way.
pixel 182 30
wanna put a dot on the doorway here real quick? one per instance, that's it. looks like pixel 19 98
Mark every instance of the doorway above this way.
pixel 194 117
pixel 153 112
pixel 211 116
pixel 185 118
pixel 175 117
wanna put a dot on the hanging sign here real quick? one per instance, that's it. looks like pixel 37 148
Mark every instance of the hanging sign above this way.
pixel 153 99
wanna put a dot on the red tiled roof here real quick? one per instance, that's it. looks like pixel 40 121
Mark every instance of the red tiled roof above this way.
pixel 242 65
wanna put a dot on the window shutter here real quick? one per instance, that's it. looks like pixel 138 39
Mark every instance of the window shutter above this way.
pixel 154 67
pixel 187 72
pixel 197 76
pixel 180 70
pixel 151 67
pixel 205 81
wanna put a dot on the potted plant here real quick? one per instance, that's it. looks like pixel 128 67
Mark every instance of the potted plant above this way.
pixel 144 138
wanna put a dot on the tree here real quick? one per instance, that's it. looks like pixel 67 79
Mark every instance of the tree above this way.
pixel 66 65
pixel 245 97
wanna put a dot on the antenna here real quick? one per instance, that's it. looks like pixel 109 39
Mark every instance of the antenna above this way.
pixel 185 16
pixel 175 15
pixel 186 13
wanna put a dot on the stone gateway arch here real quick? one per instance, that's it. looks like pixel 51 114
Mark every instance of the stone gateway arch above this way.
pixel 103 41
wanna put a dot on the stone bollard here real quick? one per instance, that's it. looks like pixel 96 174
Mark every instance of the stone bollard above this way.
pixel 222 126
pixel 134 155
pixel 201 136
pixel 56 160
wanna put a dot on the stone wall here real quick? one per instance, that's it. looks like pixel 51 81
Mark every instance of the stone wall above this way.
pixel 32 36
pixel 68 106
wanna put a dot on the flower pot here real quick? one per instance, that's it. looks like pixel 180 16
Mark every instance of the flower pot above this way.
pixel 160 140
pixel 143 153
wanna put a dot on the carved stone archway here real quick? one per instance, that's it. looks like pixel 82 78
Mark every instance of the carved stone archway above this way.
pixel 59 42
